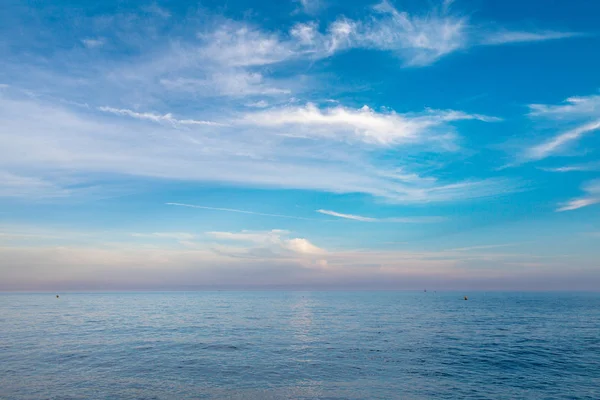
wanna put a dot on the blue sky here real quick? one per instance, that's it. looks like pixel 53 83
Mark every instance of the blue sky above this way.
pixel 302 144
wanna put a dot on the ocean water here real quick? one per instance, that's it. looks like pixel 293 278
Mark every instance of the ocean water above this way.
pixel 300 345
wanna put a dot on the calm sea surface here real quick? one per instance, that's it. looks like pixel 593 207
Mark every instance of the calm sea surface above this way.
pixel 300 345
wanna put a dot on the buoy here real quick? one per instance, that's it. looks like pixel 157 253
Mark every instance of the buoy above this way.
pixel 57 296
pixel 466 298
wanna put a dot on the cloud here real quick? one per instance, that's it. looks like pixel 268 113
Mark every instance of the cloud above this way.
pixel 302 246
pixel 166 235
pixel 573 108
pixel 311 6
pixel 577 116
pixel 369 219
pixel 229 83
pixel 258 104
pixel 592 166
pixel 341 123
pixel 157 10
pixel 592 197
pixel 92 43
pixel 250 236
pixel 560 141
pixel 273 243
pixel 417 39
pixel 65 144
pixel 485 247
pixel 236 44
pixel 156 117
pixel 506 37
pixel 16 185
pixel 284 262
pixel 347 216
pixel 241 211
pixel 420 40
pixel 233 58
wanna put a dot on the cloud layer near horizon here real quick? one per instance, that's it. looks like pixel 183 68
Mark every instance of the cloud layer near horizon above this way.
pixel 264 259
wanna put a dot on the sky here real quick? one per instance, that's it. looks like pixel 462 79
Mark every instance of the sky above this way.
pixel 302 144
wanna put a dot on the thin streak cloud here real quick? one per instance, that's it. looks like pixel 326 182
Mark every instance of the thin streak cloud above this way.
pixel 407 220
pixel 157 117
pixel 233 210
pixel 592 190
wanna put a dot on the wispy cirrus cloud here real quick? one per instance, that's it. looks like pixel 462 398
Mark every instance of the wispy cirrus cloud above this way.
pixel 591 166
pixel 310 7
pixel 229 83
pixel 92 43
pixel 249 152
pixel 407 220
pixel 417 39
pixel 233 210
pixel 347 216
pixel 559 142
pixel 156 117
pixel 484 247
pixel 577 117
pixel 365 124
pixel 573 108
pixel 233 58
pixel 17 185
pixel 592 196
pixel 507 37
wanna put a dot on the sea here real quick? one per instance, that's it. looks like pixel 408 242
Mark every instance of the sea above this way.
pixel 299 345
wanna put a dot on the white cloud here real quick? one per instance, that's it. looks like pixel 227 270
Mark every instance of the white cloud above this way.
pixel 65 143
pixel 302 246
pixel 232 58
pixel 274 243
pixel 234 83
pixel 258 104
pixel 592 190
pixel 92 43
pixel 560 141
pixel 505 37
pixel 572 108
pixel 347 216
pixel 240 211
pixel 16 185
pixel 370 219
pixel 341 123
pixel 53 258
pixel 485 247
pixel 592 166
pixel 156 117
pixel 579 116
pixel 288 263
pixel 166 235
pixel 311 6
pixel 250 236
pixel 418 40
pixel 240 45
